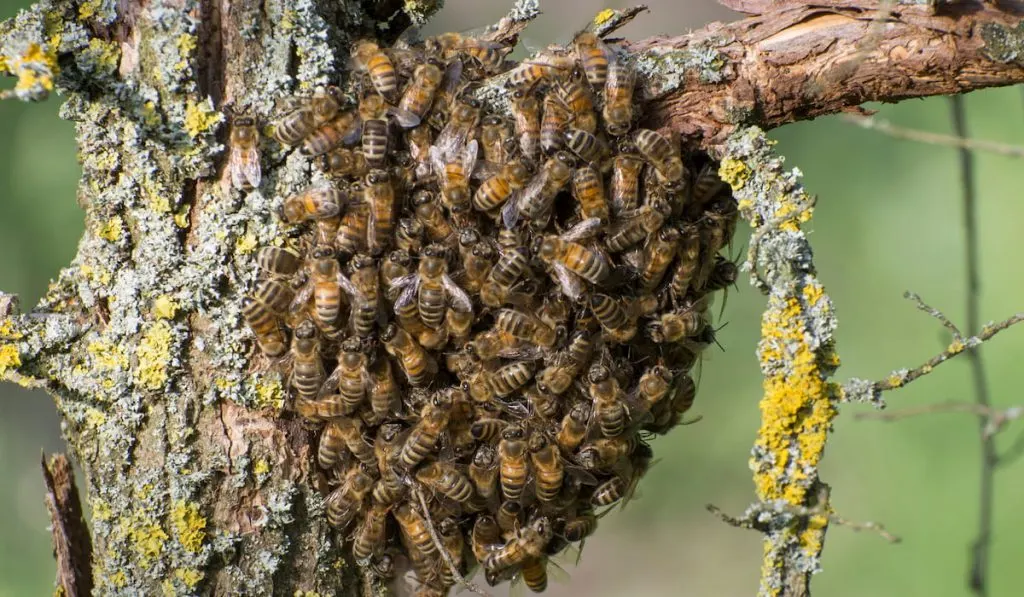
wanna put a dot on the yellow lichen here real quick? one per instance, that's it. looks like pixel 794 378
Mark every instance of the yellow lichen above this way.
pixel 734 172
pixel 269 393
pixel 150 116
pixel 10 358
pixel 261 467
pixel 813 293
pixel 602 17
pixel 146 536
pixel 106 355
pixel 7 330
pixel 164 307
pixel 101 510
pixel 35 68
pixel 200 117
pixel 88 9
pixel 189 576
pixel 956 347
pixel 167 588
pixel 154 354
pixel 94 418
pixel 181 217
pixel 188 525
pixel 895 380
pixel 111 229
pixel 118 579
pixel 105 54
pixel 186 43
pixel 246 243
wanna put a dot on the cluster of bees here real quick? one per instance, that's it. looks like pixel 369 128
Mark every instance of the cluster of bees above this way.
pixel 489 315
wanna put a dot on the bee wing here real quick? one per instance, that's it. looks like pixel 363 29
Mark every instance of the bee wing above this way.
pixel 449 140
pixel 456 295
pixel 522 353
pixel 409 294
pixel 245 168
pixel 330 384
pixel 349 288
pixel 585 229
pixel 572 285
pixel 355 132
pixel 437 160
pixel 301 299
pixel 371 227
pixel 404 118
pixel 452 77
pixel 400 283
pixel 469 153
pixel 485 170
pixel 510 213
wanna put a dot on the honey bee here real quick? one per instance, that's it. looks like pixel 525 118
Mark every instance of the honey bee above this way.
pixel 609 401
pixel 637 225
pixel 548 472
pixel 419 95
pixel 325 290
pixel 342 129
pixel 300 123
pixel 419 367
pixel 483 471
pixel 457 133
pixel 625 186
pixel 604 453
pixel 383 391
pixel 370 59
pixel 477 259
pixel 316 203
pixel 575 95
pixel 554 120
pixel 485 56
pixel 387 443
pixel 653 387
pixel 307 368
pixel 485 536
pixel 706 187
pixel 593 55
pixel 351 378
pixel 571 261
pixel 689 251
pixel 419 140
pixel 371 535
pixel 244 160
pixel 451 539
pixel 341 162
pixel 278 261
pixel 410 234
pixel 432 288
pixel 580 526
pixel 352 231
pixel 525 327
pixel 414 529
pixel 509 516
pixel 528 543
pixel 276 294
pixel 496 140
pixel 398 264
pixel 501 279
pixel 458 323
pixel 662 154
pixel 362 290
pixel 534 572
pixel 513 466
pixel 332 448
pixel 346 501
pixel 658 254
pixel 609 492
pixel 618 92
pixel 526 112
pixel 352 434
pixel 584 144
pixel 494 191
pixel 375 138
pixel 536 200
pixel 561 371
pixel 719 224
pixel 724 273
pixel 425 435
pixel 431 217
pixel 677 326
pixel 588 190
pixel 444 478
pixel 454 175
pixel 379 195
pixel 511 377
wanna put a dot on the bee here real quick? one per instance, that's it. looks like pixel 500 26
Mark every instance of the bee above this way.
pixel 496 140
pixel 625 186
pixel 686 392
pixel 483 471
pixel 575 95
pixel 332 447
pixel 724 273
pixel 425 435
pixel 432 288
pixel 419 95
pixel 315 203
pixel 307 368
pixel 604 453
pixel 580 526
pixel 513 466
pixel 658 254
pixel 457 133
pixel 511 377
pixel 497 189
pixel 379 194
pixel 609 492
pixel 343 129
pixel 275 294
pixel 352 231
pixel 346 501
pixel 486 56
pixel 618 93
pixel 706 187
pixel 501 279
pixel 556 117
pixel 526 112
pixel 352 433
pixel 362 290
pixel 584 144
pixel 548 472
pixel 375 137
pixel 661 153
pixel 653 387
pixel 536 200
pixel 390 488
pixel 609 401
pixel 384 391
pixel 719 224
pixel 410 234
pixel 452 540
pixel 454 174
pixel 419 140
pixel 689 250
pixel 300 123
pixel 560 373
pixel 509 516
pixel 371 535
pixel 637 225
pixel 419 367
pixel 370 59
pixel 588 190
pixel 445 479
pixel 278 261
pixel 593 54
pixel 525 327
pixel 677 326
pixel 341 162
pixel 570 260
pixel 485 536
pixel 398 264
pixel 386 445
pixel 431 217
pixel 534 572
pixel 324 289
pixel 244 160
pixel 477 259
pixel 351 377
pixel 414 529
pixel 528 543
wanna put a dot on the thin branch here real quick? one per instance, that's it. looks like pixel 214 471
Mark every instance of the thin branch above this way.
pixel 445 556
pixel 995 419
pixel 887 128
pixel 923 306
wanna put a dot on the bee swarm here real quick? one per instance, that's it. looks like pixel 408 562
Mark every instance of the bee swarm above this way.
pixel 489 314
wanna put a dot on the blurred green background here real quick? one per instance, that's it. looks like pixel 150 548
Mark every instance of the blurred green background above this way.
pixel 888 219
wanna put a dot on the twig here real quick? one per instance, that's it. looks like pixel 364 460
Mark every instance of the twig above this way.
pixel 978 581
pixel 995 419
pixel 865 526
pixel 71 542
pixel 887 128
pixel 946 323
pixel 610 20
pixel 447 557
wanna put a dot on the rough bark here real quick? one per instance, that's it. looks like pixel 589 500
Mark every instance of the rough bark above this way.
pixel 197 482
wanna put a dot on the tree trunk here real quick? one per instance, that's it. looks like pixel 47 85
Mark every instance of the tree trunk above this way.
pixel 197 481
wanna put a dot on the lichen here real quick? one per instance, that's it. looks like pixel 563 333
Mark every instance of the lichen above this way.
pixel 1002 43
pixel 200 117
pixel 189 525
pixel 164 307
pixel 10 358
pixel 154 356
pixel 666 69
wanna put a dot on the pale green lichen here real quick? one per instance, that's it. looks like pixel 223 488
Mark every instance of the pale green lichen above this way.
pixel 665 70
